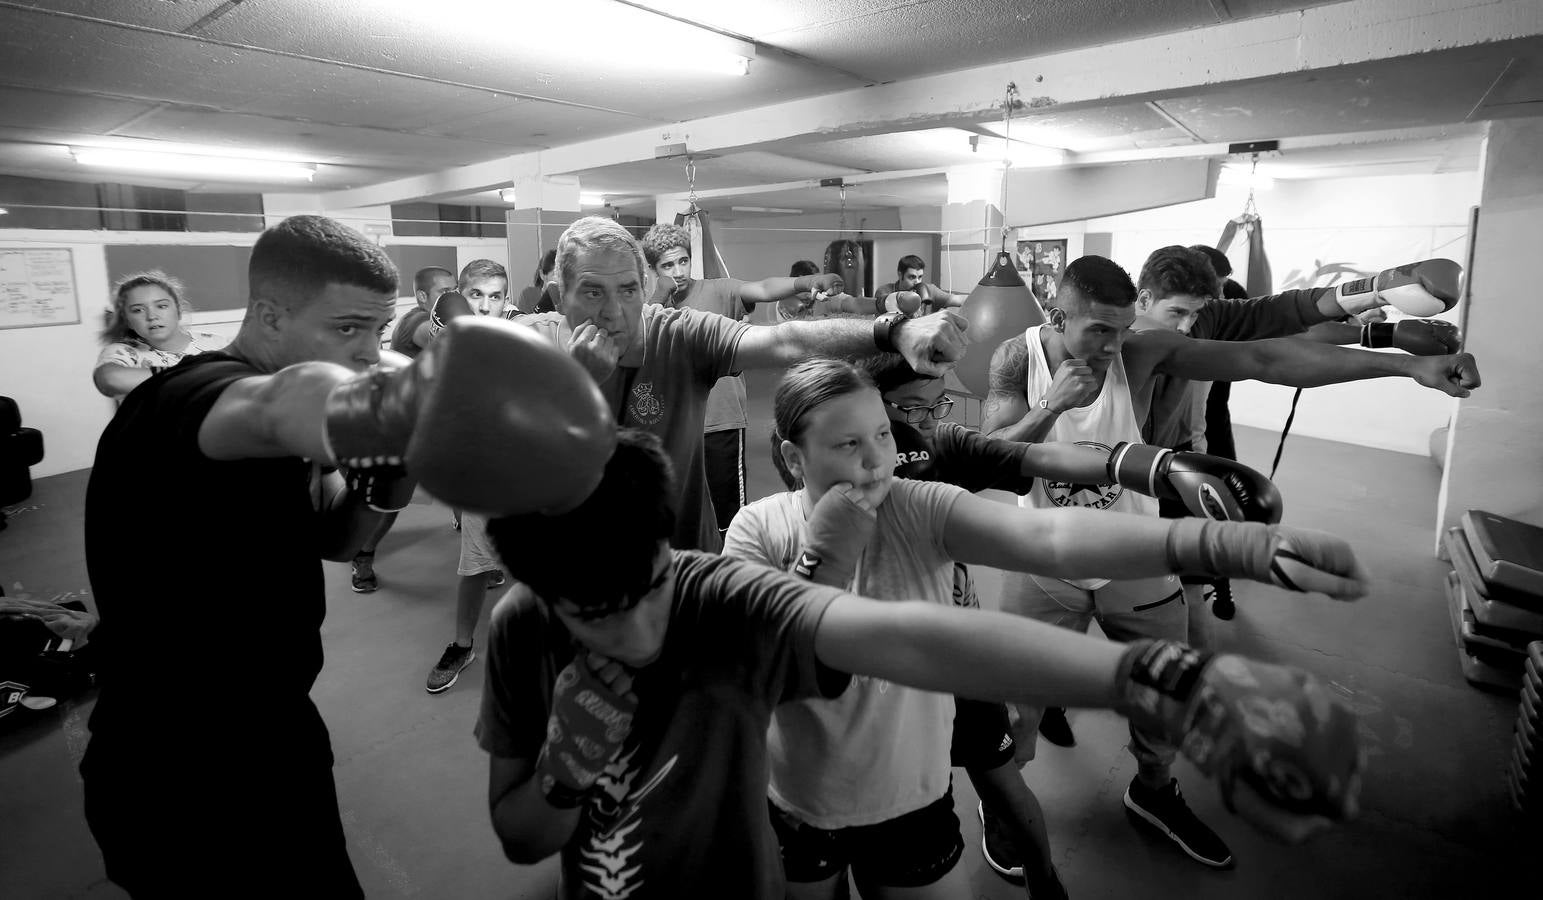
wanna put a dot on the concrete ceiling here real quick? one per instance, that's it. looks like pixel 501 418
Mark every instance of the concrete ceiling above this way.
pixel 383 90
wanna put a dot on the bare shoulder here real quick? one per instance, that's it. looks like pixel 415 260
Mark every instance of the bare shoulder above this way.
pixel 1009 364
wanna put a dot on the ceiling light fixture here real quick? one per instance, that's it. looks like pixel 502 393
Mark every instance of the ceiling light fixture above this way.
pixel 188 164
pixel 506 195
pixel 588 199
pixel 768 209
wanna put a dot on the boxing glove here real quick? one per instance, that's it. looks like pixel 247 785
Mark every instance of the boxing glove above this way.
pixel 1419 289
pixel 463 420
pixel 450 305
pixel 1209 487
pixel 1297 559
pixel 1276 729
pixel 383 488
pixel 839 527
pixel 1417 337
pixel 908 302
pixel 590 722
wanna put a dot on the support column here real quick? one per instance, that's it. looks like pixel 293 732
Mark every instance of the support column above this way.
pixel 972 225
pixel 1493 457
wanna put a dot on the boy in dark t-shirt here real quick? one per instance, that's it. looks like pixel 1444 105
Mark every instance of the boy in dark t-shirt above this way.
pixel 629 686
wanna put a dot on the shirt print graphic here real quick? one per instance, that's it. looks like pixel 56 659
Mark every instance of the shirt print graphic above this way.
pixel 613 817
pixel 1086 495
pixel 643 407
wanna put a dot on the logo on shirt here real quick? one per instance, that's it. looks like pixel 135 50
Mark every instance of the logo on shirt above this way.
pixel 1085 495
pixel 10 695
pixel 643 407
pixel 614 816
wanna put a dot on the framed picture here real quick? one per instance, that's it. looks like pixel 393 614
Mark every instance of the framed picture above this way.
pixel 1042 263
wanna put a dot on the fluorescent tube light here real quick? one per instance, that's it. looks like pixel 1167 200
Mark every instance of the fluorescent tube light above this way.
pixel 767 209
pixel 588 199
pixel 187 164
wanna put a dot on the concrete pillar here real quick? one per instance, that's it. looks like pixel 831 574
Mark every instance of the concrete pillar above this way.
pixel 972 224
pixel 1494 460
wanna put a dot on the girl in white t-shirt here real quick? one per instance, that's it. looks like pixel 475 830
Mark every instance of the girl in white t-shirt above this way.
pixel 862 781
pixel 144 332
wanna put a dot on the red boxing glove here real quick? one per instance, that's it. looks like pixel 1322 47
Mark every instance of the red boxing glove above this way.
pixel 463 420
pixel 590 721
pixel 1417 337
pixel 1273 730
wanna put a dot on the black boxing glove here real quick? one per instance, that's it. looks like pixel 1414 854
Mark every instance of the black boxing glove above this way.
pixel 450 305
pixel 1209 487
pixel 1417 337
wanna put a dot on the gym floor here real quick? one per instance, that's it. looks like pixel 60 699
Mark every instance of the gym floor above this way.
pixel 411 781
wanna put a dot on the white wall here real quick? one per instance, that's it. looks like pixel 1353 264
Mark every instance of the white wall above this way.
pixel 48 370
pixel 1365 223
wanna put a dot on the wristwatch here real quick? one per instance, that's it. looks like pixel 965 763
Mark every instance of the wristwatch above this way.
pixel 884 330
pixel 1044 404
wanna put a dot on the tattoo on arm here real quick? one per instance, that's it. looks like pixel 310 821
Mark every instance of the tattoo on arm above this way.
pixel 1008 381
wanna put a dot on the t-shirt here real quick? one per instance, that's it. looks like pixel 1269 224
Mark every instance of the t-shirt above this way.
pixel 685 352
pixel 137 354
pixel 880 750
pixel 681 812
pixel 1255 319
pixel 402 336
pixel 235 585
pixel 727 406
pixel 958 455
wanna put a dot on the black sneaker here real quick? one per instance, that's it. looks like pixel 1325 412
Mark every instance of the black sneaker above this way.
pixel 495 580
pixel 1221 600
pixel 1054 728
pixel 455 659
pixel 998 848
pixel 363 579
pixel 1165 810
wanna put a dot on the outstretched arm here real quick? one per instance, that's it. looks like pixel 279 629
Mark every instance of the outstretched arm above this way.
pixel 1296 363
pixel 116 379
pixel 930 344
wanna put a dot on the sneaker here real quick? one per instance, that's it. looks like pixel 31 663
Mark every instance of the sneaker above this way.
pixel 998 848
pixel 1165 810
pixel 1054 728
pixel 363 578
pixel 449 668
pixel 495 580
pixel 1221 600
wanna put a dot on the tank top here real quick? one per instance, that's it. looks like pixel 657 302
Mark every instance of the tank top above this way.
pixel 1108 420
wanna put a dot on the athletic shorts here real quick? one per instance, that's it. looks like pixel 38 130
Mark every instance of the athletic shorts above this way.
pixel 983 737
pixel 477 553
pixel 913 850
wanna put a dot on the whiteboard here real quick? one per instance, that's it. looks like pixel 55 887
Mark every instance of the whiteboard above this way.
pixel 37 287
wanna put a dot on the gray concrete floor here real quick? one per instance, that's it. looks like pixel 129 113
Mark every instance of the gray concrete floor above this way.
pixel 411 780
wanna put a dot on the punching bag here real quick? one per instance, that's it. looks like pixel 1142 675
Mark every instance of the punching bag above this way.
pixel 706 261
pixel 846 258
pixel 1000 307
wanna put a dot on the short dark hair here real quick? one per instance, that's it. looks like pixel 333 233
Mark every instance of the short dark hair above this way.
pixel 890 371
pixel 296 259
pixel 804 267
pixel 424 278
pixel 910 262
pixel 1175 270
pixel 633 509
pixel 1219 260
pixel 802 388
pixel 1231 290
pixel 1096 279
pixel 547 263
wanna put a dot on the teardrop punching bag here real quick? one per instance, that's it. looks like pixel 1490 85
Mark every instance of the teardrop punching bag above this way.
pixel 846 258
pixel 1000 307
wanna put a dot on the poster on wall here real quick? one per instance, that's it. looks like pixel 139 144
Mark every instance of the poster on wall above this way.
pixel 1042 262
pixel 37 288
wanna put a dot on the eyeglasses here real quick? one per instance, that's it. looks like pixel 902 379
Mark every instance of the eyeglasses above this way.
pixel 915 415
pixel 596 611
